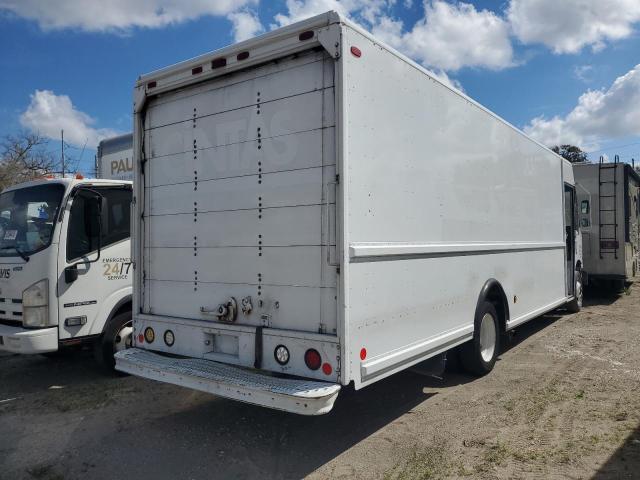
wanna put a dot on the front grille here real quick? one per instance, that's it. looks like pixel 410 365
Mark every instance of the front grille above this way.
pixel 11 310
pixel 10 323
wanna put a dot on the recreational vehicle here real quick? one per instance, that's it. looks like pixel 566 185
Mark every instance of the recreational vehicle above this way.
pixel 609 213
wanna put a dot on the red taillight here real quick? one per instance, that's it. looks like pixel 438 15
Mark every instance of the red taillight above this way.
pixel 363 353
pixel 356 52
pixel 218 62
pixel 305 35
pixel 196 70
pixel 152 84
pixel 140 338
pixel 242 56
pixel 312 359
pixel 327 369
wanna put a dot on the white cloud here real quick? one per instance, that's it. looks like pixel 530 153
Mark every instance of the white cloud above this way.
pixel 49 113
pixel 583 73
pixel 599 115
pixel 246 25
pixel 118 15
pixel 367 10
pixel 566 26
pixel 447 80
pixel 452 36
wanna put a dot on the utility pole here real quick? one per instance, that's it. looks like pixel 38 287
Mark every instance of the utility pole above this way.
pixel 62 150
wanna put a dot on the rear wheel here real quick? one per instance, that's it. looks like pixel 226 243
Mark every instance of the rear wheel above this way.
pixel 575 305
pixel 479 355
pixel 117 336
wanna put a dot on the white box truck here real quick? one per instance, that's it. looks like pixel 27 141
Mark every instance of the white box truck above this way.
pixel 315 210
pixel 609 214
pixel 65 264
pixel 114 158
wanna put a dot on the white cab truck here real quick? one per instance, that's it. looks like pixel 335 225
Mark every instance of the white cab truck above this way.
pixel 609 214
pixel 65 265
pixel 315 210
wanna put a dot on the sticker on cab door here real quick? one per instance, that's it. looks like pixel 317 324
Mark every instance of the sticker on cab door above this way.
pixel 116 268
pixel 10 234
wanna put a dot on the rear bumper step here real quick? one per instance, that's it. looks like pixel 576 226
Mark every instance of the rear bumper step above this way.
pixel 291 395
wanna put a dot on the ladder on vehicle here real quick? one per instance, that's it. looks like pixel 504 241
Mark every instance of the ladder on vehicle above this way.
pixel 607 205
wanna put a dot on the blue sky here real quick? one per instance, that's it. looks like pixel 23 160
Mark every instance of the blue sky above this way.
pixel 560 70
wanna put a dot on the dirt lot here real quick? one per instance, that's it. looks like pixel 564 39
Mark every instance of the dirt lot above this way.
pixel 563 402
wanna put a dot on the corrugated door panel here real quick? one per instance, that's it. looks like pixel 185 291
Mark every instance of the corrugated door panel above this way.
pixel 241 90
pixel 287 152
pixel 295 266
pixel 239 228
pixel 240 196
pixel 312 305
pixel 275 118
pixel 279 189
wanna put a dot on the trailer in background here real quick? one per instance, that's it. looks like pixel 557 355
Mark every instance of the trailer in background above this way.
pixel 609 214
pixel 114 158
pixel 314 210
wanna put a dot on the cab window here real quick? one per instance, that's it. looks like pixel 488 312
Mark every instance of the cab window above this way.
pixel 115 222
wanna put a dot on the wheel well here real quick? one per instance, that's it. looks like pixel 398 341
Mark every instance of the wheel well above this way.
pixel 494 293
pixel 123 306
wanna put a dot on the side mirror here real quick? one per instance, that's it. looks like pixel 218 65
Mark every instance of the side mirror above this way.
pixel 71 274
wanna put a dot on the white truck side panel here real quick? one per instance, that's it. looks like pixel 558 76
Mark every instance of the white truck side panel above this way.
pixel 442 196
pixel 114 159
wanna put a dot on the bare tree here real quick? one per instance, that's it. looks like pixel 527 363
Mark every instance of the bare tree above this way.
pixel 23 157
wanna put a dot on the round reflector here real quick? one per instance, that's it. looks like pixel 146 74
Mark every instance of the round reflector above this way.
pixel 327 369
pixel 140 338
pixel 363 353
pixel 169 338
pixel 281 354
pixel 312 359
pixel 149 335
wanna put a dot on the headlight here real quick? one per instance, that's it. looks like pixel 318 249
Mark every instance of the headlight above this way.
pixel 35 305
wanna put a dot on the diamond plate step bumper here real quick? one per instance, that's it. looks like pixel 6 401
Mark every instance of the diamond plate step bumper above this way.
pixel 304 397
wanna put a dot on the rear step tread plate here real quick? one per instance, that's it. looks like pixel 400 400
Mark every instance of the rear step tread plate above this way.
pixel 306 397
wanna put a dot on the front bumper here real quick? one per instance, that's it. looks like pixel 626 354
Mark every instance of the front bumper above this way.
pixel 22 340
pixel 305 397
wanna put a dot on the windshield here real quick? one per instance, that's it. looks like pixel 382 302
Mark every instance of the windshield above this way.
pixel 27 218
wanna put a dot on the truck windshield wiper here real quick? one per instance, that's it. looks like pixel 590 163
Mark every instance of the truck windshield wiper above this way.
pixel 24 256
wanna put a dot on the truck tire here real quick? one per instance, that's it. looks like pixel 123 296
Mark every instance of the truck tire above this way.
pixel 116 337
pixel 479 355
pixel 575 305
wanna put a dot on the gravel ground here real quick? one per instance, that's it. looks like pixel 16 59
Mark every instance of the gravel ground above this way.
pixel 562 402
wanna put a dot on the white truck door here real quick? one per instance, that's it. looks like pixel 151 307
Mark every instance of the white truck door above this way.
pixel 240 197
pixel 570 227
pixel 85 303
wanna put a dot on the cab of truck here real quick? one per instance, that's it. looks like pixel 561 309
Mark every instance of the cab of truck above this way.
pixel 65 266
